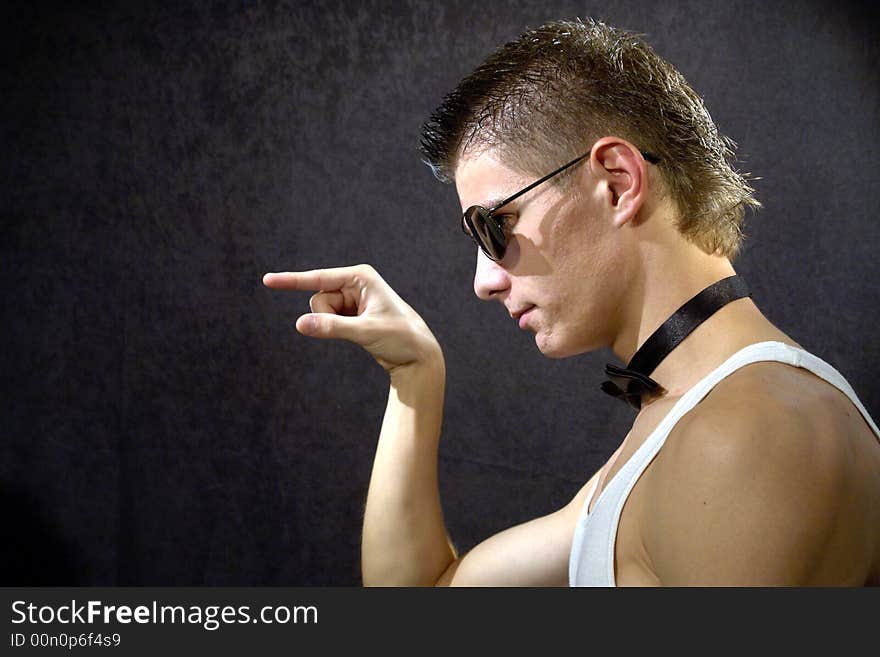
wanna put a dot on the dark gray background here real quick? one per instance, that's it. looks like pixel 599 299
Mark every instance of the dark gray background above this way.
pixel 163 424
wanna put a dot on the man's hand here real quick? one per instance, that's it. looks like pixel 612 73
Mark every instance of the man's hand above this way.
pixel 356 304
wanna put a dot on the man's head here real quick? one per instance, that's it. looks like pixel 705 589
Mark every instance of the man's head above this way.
pixel 545 98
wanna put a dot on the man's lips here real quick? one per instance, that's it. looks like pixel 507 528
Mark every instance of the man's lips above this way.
pixel 521 314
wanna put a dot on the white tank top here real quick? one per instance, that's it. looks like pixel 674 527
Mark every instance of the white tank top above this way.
pixel 592 551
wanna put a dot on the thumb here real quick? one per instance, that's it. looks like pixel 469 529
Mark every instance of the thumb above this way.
pixel 338 327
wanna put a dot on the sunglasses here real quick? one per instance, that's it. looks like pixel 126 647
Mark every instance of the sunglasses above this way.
pixel 487 231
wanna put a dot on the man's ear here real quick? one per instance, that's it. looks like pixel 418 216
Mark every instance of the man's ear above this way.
pixel 623 177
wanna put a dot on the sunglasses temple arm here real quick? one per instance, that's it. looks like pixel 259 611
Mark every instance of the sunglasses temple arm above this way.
pixel 536 183
pixel 650 157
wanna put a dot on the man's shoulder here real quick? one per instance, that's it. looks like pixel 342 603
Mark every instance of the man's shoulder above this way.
pixel 766 414
pixel 767 397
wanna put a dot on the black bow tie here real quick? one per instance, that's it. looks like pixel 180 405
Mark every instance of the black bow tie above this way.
pixel 630 383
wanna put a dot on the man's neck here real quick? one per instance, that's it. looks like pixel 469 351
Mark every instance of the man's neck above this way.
pixel 667 282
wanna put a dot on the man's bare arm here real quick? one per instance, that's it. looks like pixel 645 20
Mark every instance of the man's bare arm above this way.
pixel 404 537
pixel 405 540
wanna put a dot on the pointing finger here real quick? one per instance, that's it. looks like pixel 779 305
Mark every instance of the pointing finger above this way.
pixel 319 279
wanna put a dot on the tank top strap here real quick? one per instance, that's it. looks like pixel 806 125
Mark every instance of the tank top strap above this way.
pixel 762 352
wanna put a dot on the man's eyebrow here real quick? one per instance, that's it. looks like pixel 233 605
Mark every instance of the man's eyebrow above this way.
pixel 492 202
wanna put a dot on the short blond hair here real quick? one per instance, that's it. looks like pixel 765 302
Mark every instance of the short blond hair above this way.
pixel 543 98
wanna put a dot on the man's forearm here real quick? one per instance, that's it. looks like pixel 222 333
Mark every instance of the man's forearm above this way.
pixel 404 537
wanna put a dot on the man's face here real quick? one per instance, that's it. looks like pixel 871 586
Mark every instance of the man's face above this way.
pixel 562 276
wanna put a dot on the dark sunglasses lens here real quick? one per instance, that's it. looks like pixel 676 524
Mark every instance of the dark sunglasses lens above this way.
pixel 486 233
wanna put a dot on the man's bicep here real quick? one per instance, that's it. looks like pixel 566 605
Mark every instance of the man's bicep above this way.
pixel 534 553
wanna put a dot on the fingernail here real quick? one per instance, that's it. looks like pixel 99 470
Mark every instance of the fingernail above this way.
pixel 306 324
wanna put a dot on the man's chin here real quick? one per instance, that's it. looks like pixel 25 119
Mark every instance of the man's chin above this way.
pixel 551 348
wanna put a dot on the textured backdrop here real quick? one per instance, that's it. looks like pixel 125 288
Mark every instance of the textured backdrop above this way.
pixel 163 423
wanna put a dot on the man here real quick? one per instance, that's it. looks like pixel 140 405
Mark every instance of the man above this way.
pixel 605 213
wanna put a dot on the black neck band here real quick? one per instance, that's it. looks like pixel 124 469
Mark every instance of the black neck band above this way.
pixel 631 383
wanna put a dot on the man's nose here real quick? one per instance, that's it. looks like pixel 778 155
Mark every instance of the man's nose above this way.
pixel 490 278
